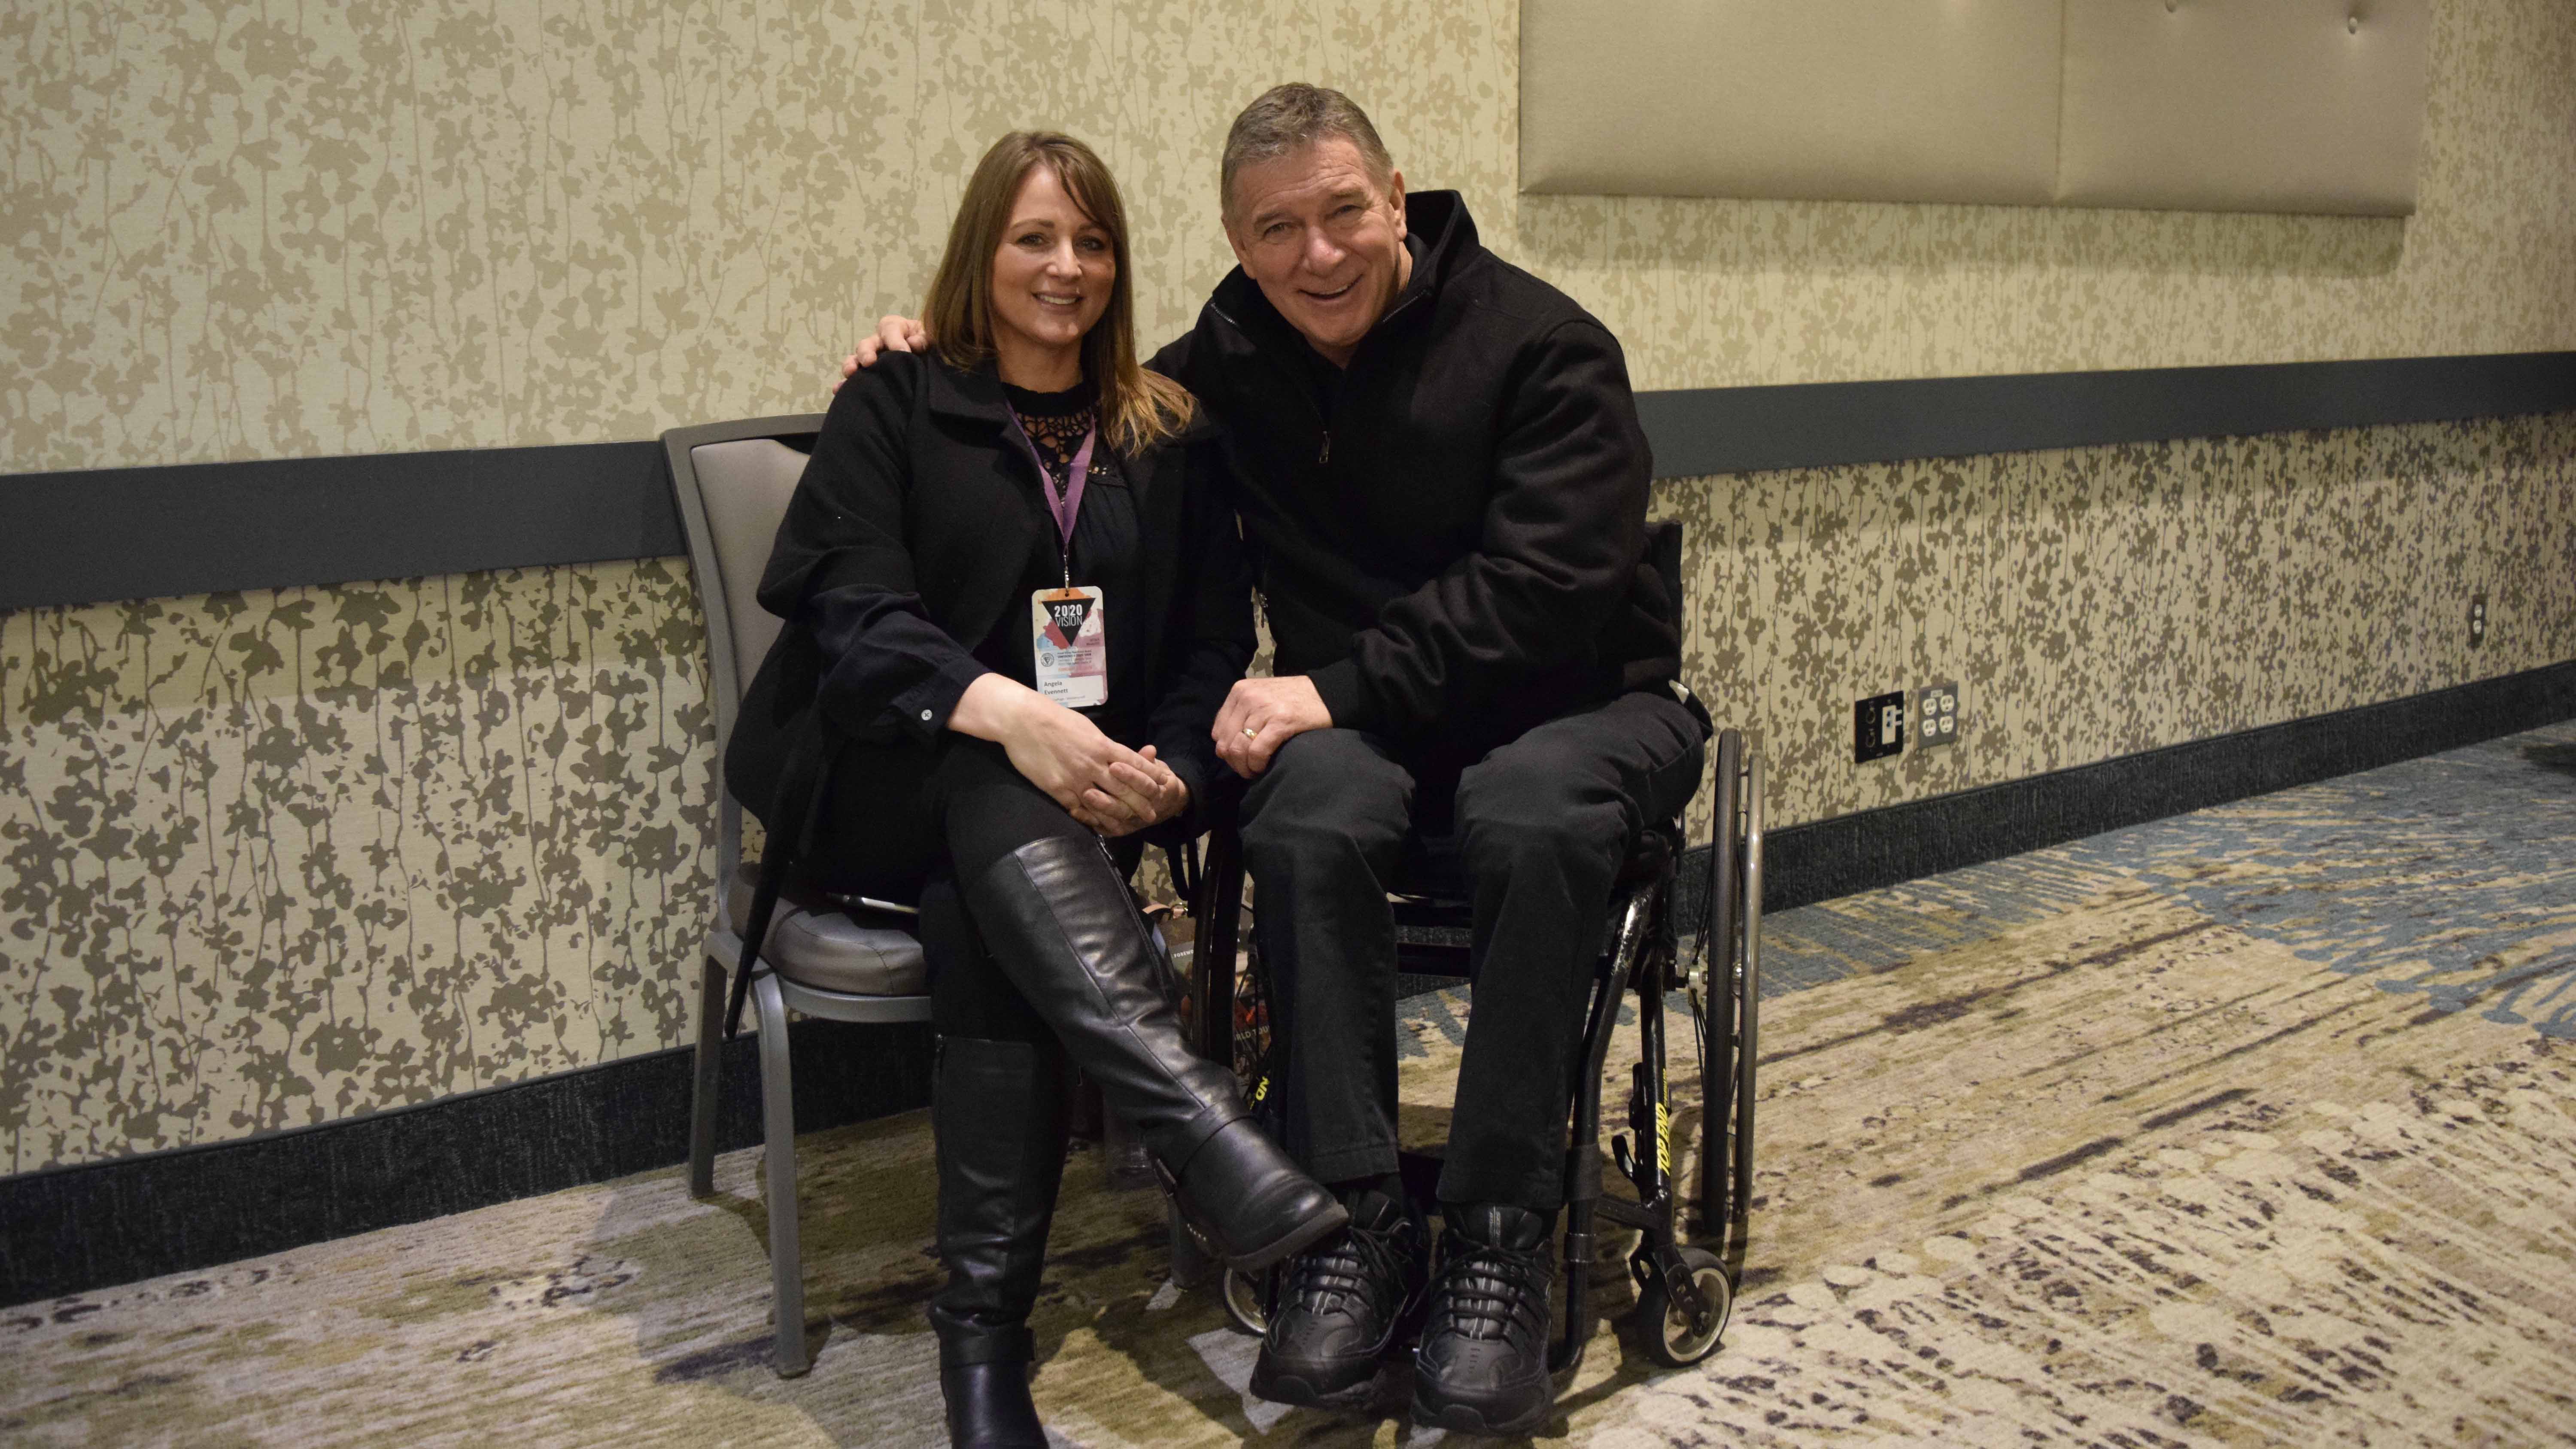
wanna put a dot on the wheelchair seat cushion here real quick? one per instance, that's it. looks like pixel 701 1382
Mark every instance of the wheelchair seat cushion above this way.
pixel 1434 866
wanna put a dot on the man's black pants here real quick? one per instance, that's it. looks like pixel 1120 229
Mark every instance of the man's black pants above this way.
pixel 1543 823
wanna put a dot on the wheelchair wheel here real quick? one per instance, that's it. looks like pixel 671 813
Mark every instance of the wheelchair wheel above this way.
pixel 1247 1301
pixel 1670 1336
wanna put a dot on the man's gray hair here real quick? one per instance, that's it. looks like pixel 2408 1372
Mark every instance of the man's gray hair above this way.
pixel 1290 118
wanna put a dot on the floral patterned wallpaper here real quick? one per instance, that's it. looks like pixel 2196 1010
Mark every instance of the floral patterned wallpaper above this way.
pixel 2098 602
pixel 247 228
pixel 274 858
pixel 277 858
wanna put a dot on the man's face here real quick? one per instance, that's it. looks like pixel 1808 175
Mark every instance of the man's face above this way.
pixel 1324 241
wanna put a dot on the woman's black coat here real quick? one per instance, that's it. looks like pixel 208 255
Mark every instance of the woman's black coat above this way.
pixel 922 504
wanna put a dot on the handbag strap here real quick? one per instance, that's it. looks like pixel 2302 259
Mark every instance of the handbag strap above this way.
pixel 796 818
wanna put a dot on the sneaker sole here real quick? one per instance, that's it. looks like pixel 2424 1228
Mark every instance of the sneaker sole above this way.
pixel 1297 1240
pixel 1471 1419
pixel 1302 1391
pixel 1298 1386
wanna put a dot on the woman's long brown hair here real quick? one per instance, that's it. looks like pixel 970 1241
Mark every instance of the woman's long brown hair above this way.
pixel 1137 408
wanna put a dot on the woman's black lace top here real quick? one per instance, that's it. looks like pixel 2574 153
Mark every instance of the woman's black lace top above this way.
pixel 1056 422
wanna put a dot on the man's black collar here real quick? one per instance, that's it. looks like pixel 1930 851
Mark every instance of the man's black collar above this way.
pixel 1440 218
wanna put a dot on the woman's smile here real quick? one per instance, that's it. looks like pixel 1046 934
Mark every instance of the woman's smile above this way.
pixel 1051 280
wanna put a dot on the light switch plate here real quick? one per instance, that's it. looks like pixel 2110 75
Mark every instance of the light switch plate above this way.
pixel 1878 727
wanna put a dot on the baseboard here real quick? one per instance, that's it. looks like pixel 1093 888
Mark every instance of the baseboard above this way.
pixel 1868 849
pixel 73 1229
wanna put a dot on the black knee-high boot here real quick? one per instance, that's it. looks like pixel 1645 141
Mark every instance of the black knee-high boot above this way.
pixel 998 1114
pixel 1060 923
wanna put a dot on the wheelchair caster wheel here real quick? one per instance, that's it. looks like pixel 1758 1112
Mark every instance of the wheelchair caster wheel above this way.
pixel 1247 1301
pixel 1671 1337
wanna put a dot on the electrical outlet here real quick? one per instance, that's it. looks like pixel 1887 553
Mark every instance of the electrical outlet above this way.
pixel 1878 727
pixel 2477 620
pixel 1936 715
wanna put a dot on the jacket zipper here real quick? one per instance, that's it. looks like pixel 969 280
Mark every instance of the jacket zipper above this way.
pixel 1323 425
pixel 1296 384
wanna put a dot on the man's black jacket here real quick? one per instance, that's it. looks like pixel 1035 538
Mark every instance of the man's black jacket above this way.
pixel 1458 549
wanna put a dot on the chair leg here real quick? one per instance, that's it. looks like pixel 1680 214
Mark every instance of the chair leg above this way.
pixel 705 1091
pixel 778 1161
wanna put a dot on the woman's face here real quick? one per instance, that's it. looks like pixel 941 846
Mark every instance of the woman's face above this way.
pixel 1051 277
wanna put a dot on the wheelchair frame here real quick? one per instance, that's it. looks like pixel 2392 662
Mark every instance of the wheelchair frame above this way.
pixel 1686 1292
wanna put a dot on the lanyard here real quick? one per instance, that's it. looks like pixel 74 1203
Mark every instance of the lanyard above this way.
pixel 1069 506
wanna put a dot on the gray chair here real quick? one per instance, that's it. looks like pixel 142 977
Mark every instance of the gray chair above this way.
pixel 856 962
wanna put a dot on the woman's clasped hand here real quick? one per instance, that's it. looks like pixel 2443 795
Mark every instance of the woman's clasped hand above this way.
pixel 1101 783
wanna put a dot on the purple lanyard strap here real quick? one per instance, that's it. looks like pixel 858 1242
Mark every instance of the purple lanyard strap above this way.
pixel 1069 506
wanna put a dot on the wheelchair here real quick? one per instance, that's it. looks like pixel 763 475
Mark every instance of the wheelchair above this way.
pixel 1686 1290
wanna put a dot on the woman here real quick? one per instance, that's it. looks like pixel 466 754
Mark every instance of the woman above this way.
pixel 977 529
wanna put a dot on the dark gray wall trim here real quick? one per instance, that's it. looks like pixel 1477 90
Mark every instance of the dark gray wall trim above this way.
pixel 127 533
pixel 197 528
pixel 73 1229
pixel 1830 424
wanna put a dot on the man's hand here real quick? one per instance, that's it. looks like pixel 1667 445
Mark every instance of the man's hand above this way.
pixel 893 334
pixel 1260 715
pixel 1138 797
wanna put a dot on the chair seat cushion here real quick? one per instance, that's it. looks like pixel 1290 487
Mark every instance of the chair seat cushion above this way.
pixel 829 949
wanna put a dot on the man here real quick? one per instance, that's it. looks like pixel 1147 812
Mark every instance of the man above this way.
pixel 1444 485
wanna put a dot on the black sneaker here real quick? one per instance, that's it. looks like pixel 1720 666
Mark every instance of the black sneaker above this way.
pixel 1343 1304
pixel 1482 1366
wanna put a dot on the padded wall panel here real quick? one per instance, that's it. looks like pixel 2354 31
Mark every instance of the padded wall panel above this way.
pixel 1853 100
pixel 2201 105
pixel 2244 105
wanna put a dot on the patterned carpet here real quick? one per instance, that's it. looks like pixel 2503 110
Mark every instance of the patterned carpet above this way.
pixel 2256 1126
